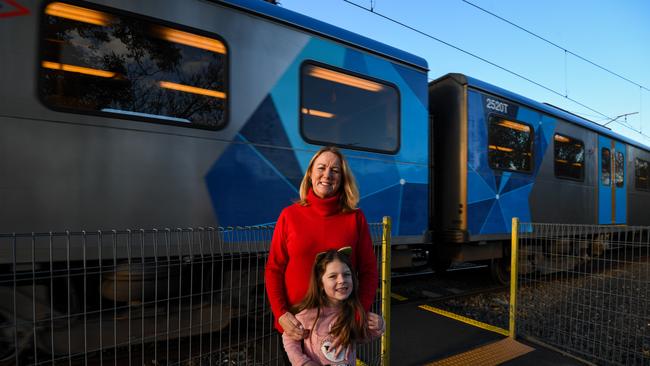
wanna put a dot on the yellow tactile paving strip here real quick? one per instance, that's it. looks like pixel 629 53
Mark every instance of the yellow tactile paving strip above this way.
pixel 466 320
pixel 489 355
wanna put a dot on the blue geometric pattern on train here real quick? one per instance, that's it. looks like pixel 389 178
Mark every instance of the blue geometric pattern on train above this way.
pixel 265 128
pixel 250 184
pixel 495 196
pixel 414 205
pixel 395 189
pixel 414 81
pixel 354 60
pixel 378 203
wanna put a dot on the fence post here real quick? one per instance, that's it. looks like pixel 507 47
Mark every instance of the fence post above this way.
pixel 513 277
pixel 385 289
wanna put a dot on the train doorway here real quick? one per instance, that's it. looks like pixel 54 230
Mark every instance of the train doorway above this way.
pixel 612 197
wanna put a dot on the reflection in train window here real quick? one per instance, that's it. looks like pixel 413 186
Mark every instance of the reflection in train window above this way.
pixel 338 108
pixel 619 169
pixel 642 174
pixel 510 145
pixel 605 167
pixel 569 157
pixel 96 62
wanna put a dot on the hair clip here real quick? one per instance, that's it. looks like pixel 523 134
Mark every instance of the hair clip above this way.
pixel 346 251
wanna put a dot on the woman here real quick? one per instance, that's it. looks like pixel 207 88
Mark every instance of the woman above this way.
pixel 326 217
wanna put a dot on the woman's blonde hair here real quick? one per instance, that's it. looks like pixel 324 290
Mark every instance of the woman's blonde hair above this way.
pixel 349 197
pixel 350 325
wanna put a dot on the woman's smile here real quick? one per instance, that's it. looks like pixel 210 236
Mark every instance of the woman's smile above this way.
pixel 326 175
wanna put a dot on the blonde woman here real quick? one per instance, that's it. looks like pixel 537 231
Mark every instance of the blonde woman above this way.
pixel 326 217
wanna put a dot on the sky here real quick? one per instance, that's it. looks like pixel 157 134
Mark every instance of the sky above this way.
pixel 614 35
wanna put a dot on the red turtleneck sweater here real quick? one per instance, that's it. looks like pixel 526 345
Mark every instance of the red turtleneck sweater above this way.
pixel 304 231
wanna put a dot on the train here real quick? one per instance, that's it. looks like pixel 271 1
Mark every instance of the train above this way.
pixel 117 114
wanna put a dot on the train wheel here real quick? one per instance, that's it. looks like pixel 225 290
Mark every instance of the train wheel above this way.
pixel 500 270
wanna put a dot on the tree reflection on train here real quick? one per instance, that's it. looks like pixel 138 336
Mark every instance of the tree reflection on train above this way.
pixel 123 65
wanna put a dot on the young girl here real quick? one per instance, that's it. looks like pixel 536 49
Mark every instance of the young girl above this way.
pixel 333 315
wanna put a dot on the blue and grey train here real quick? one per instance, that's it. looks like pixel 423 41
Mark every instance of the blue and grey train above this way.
pixel 499 155
pixel 122 114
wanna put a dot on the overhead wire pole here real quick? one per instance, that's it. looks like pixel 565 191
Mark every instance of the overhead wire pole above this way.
pixel 566 76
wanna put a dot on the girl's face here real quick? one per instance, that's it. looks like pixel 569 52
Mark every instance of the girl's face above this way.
pixel 337 282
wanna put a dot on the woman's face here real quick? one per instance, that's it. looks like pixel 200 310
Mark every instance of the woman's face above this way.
pixel 326 174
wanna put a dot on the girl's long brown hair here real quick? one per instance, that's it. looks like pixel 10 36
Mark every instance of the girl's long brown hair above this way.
pixel 350 325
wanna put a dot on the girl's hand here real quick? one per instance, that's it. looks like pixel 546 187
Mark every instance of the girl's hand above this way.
pixel 375 322
pixel 292 327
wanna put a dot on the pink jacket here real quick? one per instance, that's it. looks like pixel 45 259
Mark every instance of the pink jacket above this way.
pixel 315 347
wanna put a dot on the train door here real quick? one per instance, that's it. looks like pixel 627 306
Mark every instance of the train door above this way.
pixel 612 198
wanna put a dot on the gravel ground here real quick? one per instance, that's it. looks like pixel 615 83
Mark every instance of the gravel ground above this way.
pixel 601 316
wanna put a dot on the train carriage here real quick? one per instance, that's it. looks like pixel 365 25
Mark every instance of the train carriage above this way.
pixel 499 155
pixel 119 114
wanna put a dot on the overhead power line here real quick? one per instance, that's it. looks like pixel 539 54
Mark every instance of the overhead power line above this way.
pixel 555 45
pixel 374 12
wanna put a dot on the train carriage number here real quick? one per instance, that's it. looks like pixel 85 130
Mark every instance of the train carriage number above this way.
pixel 496 105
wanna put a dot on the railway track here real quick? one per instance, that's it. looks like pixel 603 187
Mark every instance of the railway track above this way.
pixel 496 289
pixel 430 287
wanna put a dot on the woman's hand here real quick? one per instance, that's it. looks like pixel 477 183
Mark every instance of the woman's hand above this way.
pixel 375 322
pixel 292 327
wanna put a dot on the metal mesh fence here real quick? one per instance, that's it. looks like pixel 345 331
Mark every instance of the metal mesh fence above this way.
pixel 585 290
pixel 146 297
pixel 370 353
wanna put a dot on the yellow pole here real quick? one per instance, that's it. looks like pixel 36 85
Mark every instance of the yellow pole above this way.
pixel 513 277
pixel 385 290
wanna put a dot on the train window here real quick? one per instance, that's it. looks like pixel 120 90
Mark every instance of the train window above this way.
pixel 642 174
pixel 337 108
pixel 619 169
pixel 510 145
pixel 569 157
pixel 605 167
pixel 93 61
